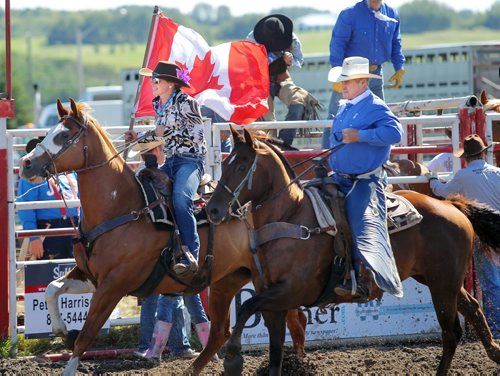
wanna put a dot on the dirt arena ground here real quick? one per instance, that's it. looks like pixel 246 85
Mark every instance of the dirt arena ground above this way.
pixel 408 359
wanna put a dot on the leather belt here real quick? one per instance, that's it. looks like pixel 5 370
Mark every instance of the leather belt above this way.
pixel 373 68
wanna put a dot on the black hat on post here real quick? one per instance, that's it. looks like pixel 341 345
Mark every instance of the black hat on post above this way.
pixel 31 144
pixel 275 32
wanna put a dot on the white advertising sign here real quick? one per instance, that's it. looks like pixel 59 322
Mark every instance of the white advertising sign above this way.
pixel 73 307
pixel 413 314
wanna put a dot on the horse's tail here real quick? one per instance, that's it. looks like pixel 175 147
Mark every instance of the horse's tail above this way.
pixel 484 219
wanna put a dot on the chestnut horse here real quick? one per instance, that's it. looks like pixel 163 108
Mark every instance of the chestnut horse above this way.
pixel 121 259
pixel 258 172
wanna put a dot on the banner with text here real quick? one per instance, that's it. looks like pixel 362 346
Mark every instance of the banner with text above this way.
pixel 73 307
pixel 413 314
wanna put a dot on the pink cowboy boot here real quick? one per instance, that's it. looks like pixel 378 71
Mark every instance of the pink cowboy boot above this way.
pixel 203 331
pixel 159 339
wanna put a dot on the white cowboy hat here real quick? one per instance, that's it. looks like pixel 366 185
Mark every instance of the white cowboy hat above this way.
pixel 144 146
pixel 352 68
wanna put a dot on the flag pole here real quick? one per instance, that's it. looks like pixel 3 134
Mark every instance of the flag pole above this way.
pixel 152 32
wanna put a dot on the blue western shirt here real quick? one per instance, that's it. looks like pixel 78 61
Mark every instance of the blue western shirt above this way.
pixel 358 32
pixel 27 192
pixel 378 129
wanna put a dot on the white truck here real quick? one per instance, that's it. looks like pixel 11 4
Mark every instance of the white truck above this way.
pixel 106 103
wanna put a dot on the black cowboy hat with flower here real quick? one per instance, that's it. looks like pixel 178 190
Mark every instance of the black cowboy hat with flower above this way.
pixel 473 145
pixel 275 32
pixel 169 71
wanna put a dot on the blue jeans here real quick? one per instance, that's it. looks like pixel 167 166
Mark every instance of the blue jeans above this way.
pixel 366 213
pixel 185 173
pixel 177 341
pixel 375 85
pixel 488 273
pixel 195 309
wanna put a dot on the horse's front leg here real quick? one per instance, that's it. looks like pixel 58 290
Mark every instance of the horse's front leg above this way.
pixel 276 326
pixel 105 299
pixel 221 295
pixel 72 283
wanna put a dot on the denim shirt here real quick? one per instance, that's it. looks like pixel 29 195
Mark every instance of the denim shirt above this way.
pixel 378 129
pixel 358 32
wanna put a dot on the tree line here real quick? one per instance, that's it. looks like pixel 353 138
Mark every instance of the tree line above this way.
pixel 130 24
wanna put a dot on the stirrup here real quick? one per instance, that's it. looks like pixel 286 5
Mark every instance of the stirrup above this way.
pixel 184 270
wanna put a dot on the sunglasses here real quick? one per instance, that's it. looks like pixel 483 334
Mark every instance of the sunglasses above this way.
pixel 155 80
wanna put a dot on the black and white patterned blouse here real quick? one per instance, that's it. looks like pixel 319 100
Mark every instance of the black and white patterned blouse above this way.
pixel 183 132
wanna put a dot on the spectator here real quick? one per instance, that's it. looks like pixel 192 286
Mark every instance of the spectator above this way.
pixel 370 29
pixel 225 140
pixel 284 52
pixel 443 162
pixel 55 188
pixel 367 128
pixel 478 181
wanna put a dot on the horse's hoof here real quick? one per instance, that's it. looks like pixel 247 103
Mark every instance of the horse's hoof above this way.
pixel 71 338
pixel 494 353
pixel 233 365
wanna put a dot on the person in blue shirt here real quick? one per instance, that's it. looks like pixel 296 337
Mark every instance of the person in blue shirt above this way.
pixel 370 29
pixel 54 247
pixel 367 128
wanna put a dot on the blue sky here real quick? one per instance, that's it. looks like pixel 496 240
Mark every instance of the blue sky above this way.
pixel 237 7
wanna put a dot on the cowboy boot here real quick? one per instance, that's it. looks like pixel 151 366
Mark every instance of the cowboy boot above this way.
pixel 203 331
pixel 159 340
pixel 187 263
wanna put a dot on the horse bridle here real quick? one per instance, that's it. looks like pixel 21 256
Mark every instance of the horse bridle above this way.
pixel 82 127
pixel 67 144
pixel 242 210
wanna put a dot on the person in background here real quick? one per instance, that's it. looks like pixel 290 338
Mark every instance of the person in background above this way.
pixel 366 128
pixel 370 29
pixel 478 181
pixel 55 188
pixel 225 140
pixel 442 162
pixel 284 53
pixel 180 124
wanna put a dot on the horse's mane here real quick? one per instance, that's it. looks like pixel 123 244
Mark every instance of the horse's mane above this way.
pixel 278 152
pixel 282 145
pixel 85 109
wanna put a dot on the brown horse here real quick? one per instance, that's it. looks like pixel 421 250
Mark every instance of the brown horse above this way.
pixel 257 172
pixel 120 259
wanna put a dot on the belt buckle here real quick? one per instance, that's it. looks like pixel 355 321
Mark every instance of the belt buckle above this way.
pixel 373 67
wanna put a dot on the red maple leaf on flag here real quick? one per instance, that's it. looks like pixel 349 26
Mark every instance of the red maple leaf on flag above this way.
pixel 201 75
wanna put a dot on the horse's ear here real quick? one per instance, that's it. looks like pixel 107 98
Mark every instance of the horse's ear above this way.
pixel 61 110
pixel 483 97
pixel 74 108
pixel 236 136
pixel 248 138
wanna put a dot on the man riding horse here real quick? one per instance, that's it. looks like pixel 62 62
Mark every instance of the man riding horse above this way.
pixel 368 128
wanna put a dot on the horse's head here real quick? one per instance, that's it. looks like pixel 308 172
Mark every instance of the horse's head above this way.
pixel 61 149
pixel 488 103
pixel 239 183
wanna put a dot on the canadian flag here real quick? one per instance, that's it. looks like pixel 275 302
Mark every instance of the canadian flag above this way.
pixel 232 79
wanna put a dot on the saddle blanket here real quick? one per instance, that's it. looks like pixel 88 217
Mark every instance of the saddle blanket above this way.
pixel 401 214
pixel 161 215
